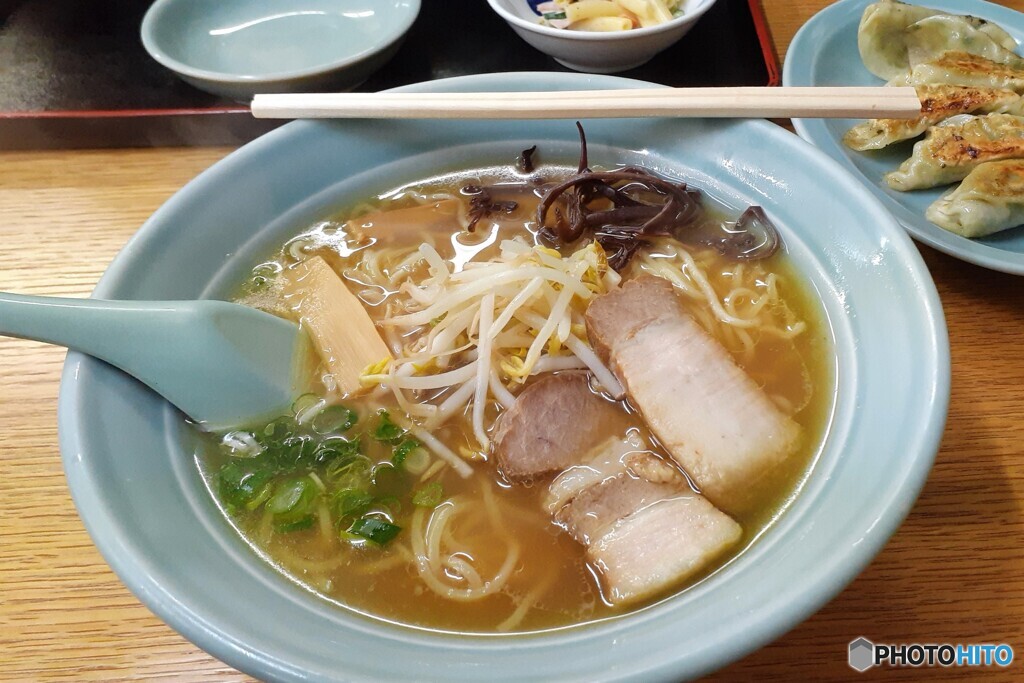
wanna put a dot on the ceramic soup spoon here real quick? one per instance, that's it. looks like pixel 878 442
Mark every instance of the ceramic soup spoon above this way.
pixel 222 364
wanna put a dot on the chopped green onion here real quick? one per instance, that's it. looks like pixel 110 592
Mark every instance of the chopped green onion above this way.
pixel 403 450
pixel 292 500
pixel 334 419
pixel 304 403
pixel 239 485
pixel 347 535
pixel 428 496
pixel 288 495
pixel 349 502
pixel 296 468
pixel 297 450
pixel 330 450
pixel 374 529
pixel 349 471
pixel 550 16
pixel 391 505
pixel 345 463
pixel 418 461
pixel 276 431
pixel 260 498
pixel 387 430
pixel 348 446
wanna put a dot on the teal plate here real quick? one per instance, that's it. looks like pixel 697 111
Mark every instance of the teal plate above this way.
pixel 824 53
pixel 129 457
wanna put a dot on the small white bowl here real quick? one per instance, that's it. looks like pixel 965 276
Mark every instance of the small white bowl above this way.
pixel 243 47
pixel 598 52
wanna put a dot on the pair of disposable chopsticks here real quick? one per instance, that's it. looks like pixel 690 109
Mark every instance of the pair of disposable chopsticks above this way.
pixel 744 102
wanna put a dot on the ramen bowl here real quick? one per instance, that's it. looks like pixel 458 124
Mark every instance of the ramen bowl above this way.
pixel 167 539
pixel 237 49
pixel 598 51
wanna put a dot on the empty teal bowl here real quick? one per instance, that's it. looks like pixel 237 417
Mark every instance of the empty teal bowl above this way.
pixel 243 47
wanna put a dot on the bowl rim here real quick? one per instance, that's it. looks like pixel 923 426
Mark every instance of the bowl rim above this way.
pixel 594 36
pixel 159 9
pixel 832 575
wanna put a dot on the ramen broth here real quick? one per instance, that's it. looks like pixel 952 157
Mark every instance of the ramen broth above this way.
pixel 491 522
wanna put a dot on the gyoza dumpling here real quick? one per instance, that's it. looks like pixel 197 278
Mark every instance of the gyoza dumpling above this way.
pixel 990 199
pixel 931 37
pixel 957 146
pixel 881 37
pixel 961 68
pixel 938 103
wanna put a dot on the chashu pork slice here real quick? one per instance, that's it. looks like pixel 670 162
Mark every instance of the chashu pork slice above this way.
pixel 595 509
pixel 708 414
pixel 659 545
pixel 610 459
pixel 644 528
pixel 553 422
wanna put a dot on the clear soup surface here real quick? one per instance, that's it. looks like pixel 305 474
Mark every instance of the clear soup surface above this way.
pixel 477 554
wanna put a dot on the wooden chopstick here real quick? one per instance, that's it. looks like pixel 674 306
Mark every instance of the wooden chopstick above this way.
pixel 744 102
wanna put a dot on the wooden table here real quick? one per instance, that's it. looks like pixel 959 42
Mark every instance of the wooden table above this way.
pixel 953 573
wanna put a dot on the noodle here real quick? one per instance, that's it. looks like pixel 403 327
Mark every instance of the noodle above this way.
pixel 526 604
pixel 396 556
pixel 323 516
pixel 426 546
pixel 765 312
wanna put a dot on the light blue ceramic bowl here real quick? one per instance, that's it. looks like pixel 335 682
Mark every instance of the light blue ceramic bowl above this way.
pixel 129 461
pixel 824 53
pixel 243 47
